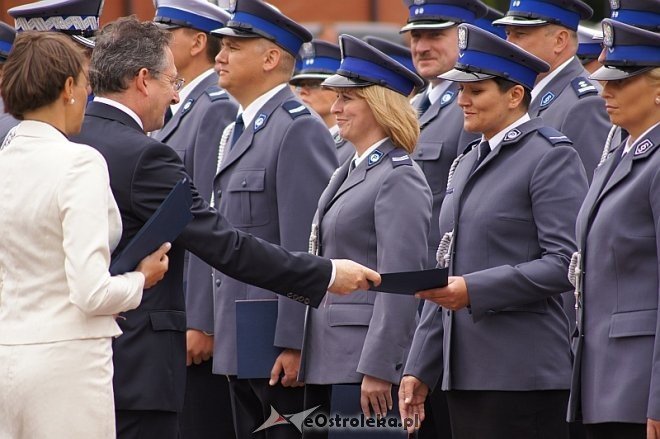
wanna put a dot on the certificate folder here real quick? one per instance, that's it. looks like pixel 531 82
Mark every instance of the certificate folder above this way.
pixel 409 282
pixel 165 225
pixel 255 332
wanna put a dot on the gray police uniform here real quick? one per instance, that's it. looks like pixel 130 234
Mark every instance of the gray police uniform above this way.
pixel 615 374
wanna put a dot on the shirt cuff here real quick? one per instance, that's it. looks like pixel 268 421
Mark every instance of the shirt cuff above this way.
pixel 334 273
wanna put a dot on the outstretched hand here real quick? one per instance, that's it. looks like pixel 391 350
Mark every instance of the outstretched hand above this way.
pixel 351 276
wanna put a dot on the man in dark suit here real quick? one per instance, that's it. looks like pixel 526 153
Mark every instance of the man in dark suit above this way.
pixel 134 84
pixel 193 130
pixel 268 184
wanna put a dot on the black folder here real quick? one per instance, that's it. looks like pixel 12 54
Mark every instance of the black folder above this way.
pixel 255 331
pixel 165 225
pixel 409 282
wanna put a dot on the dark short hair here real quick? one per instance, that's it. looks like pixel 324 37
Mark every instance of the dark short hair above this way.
pixel 212 43
pixel 123 48
pixel 505 85
pixel 37 69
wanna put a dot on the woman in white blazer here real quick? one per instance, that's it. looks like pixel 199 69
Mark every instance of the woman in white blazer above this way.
pixel 59 222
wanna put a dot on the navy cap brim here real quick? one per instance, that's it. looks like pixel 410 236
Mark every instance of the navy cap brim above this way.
pixel 510 20
pixel 302 76
pixel 427 25
pixel 463 76
pixel 339 81
pixel 166 26
pixel 231 32
pixel 609 73
pixel 84 41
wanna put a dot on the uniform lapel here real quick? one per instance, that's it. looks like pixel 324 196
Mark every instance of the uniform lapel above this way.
pixel 434 110
pixel 558 84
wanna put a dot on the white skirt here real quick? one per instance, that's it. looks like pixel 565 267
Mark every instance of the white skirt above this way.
pixel 57 390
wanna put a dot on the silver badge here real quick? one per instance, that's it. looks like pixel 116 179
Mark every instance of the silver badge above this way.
pixel 232 6
pixel 462 37
pixel 259 121
pixel 514 133
pixel 643 147
pixel 615 4
pixel 307 51
pixel 419 2
pixel 608 35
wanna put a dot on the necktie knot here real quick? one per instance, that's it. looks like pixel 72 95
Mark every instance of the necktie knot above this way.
pixel 484 150
pixel 424 104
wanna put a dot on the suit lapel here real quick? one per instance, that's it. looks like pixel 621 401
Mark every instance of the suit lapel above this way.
pixel 245 141
pixel 105 111
pixel 434 110
pixel 558 84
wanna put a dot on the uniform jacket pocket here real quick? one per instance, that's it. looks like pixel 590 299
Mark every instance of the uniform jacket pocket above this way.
pixel 633 323
pixel 168 320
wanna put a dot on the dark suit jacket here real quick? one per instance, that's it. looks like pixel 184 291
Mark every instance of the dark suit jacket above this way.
pixel 149 357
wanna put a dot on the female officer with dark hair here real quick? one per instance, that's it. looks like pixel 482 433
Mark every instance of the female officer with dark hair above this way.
pixel 376 210
pixel 616 375
pixel 499 341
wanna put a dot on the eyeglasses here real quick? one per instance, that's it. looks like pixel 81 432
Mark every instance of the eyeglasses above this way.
pixel 177 83
pixel 311 85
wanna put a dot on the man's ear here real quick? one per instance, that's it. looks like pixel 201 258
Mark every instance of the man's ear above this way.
pixel 141 81
pixel 562 39
pixel 272 58
pixel 199 41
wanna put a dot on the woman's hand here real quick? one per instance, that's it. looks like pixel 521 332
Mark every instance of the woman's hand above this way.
pixel 155 266
pixel 376 393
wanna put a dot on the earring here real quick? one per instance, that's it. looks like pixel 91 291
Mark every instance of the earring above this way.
pixel 72 101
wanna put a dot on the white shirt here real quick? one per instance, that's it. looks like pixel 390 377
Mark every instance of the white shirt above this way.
pixel 360 158
pixel 250 112
pixel 630 146
pixel 190 86
pixel 497 138
pixel 538 88
pixel 121 107
pixel 434 92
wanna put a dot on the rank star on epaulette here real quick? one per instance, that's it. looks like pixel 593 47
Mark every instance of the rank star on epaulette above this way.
pixel 642 147
pixel 513 134
pixel 374 157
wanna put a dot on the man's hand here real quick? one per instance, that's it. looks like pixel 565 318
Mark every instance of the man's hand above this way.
pixel 289 363
pixel 199 347
pixel 412 394
pixel 652 429
pixel 454 296
pixel 351 276
pixel 376 393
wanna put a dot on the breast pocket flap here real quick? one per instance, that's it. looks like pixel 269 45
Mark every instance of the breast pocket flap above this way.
pixel 247 181
pixel 633 323
pixel 350 315
pixel 168 320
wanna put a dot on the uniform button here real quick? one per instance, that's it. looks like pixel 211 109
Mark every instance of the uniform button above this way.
pixel 219 194
pixel 244 183
pixel 218 282
pixel 448 312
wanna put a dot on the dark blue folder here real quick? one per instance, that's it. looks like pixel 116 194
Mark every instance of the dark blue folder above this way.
pixel 409 282
pixel 165 225
pixel 255 332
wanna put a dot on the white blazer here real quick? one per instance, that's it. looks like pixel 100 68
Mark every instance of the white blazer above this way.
pixel 58 222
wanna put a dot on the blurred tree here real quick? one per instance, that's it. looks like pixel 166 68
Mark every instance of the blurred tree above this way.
pixel 601 7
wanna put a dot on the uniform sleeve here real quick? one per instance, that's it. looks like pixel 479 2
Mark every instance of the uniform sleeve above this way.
pixel 557 188
pixel 425 359
pixel 653 411
pixel 587 125
pixel 304 166
pixel 402 214
pixel 84 201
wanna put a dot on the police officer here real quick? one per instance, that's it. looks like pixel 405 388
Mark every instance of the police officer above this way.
pixel 498 342
pixel 486 22
pixel 615 388
pixel 194 130
pixel 77 18
pixel 320 60
pixel 589 48
pixel 397 52
pixel 564 96
pixel 7 35
pixel 376 209
pixel 274 162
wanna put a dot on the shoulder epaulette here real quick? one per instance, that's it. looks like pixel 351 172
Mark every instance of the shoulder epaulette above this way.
pixel 553 136
pixel 216 93
pixel 399 158
pixel 583 87
pixel 295 109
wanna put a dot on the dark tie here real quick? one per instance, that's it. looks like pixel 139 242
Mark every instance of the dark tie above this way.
pixel 238 130
pixel 424 104
pixel 484 150
pixel 351 167
pixel 168 115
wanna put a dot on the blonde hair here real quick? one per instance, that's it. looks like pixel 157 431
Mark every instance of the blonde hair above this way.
pixel 393 113
pixel 654 74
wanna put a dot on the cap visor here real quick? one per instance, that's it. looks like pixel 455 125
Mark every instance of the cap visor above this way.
pixel 303 76
pixel 463 76
pixel 609 73
pixel 84 41
pixel 230 32
pixel 338 81
pixel 166 26
pixel 427 25
pixel 510 20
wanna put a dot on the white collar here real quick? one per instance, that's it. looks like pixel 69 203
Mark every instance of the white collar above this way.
pixel 334 130
pixel 538 88
pixel 251 110
pixel 434 92
pixel 190 86
pixel 359 159
pixel 629 145
pixel 497 138
pixel 120 106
